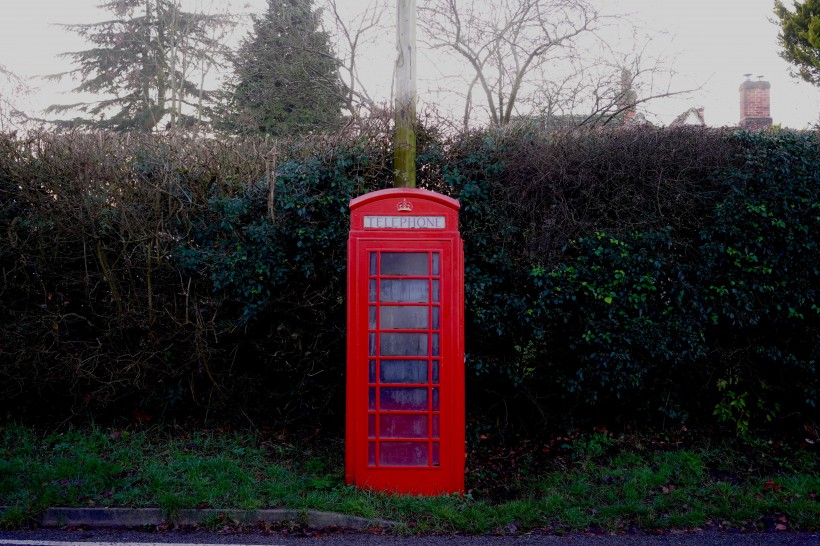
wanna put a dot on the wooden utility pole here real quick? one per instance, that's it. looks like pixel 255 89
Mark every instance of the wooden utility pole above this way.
pixel 404 142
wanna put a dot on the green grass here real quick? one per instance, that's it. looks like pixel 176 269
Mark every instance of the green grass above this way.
pixel 596 487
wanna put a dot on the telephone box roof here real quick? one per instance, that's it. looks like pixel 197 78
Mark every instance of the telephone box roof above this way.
pixel 404 192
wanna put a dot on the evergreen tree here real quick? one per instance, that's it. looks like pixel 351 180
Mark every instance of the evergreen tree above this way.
pixel 147 58
pixel 800 37
pixel 286 78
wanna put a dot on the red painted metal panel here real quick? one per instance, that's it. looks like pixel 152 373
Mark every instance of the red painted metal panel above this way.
pixel 405 347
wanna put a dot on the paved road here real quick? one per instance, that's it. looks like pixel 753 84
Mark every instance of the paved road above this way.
pixel 109 537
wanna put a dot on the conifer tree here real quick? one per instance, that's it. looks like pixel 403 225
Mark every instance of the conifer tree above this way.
pixel 286 79
pixel 800 37
pixel 149 62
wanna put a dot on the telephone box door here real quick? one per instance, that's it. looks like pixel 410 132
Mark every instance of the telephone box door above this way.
pixel 405 362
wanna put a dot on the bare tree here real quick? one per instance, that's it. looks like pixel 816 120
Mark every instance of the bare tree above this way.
pixel 505 42
pixel 545 58
pixel 602 86
pixel 354 33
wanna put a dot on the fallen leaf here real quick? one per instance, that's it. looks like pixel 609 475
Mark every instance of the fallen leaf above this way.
pixel 144 417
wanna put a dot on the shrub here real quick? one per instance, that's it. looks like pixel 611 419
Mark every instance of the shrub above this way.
pixel 760 280
pixel 656 276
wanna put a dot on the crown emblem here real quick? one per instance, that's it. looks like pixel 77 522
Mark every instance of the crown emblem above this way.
pixel 404 206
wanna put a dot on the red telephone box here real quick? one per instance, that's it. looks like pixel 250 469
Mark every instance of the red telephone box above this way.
pixel 405 344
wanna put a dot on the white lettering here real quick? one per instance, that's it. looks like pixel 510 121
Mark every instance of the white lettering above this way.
pixel 404 222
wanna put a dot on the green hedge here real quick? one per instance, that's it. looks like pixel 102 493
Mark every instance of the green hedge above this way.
pixel 647 276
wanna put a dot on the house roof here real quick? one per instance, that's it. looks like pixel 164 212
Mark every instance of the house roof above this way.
pixel 692 116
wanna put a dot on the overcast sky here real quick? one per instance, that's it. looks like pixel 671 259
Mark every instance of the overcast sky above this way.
pixel 720 40
pixel 713 42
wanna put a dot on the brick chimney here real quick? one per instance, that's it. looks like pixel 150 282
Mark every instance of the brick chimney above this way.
pixel 754 104
pixel 627 97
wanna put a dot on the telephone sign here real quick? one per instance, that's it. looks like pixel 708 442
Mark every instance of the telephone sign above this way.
pixel 405 344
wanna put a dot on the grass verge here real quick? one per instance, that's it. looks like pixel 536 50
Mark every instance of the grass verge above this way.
pixel 621 487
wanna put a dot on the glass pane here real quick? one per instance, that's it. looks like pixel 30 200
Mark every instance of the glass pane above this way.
pixel 435 263
pixel 435 371
pixel 372 263
pixel 404 263
pixel 435 426
pixel 371 323
pixel 403 398
pixel 436 461
pixel 435 399
pixel 403 453
pixel 402 318
pixel 371 375
pixel 436 312
pixel 435 345
pixel 371 426
pixel 371 398
pixel 409 290
pixel 371 344
pixel 404 371
pixel 371 294
pixel 403 344
pixel 403 426
pixel 436 294
pixel 371 453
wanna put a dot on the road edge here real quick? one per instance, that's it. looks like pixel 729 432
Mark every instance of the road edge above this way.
pixel 140 517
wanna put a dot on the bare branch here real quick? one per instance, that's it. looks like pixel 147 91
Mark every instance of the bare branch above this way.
pixel 352 34
pixel 541 57
pixel 12 89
